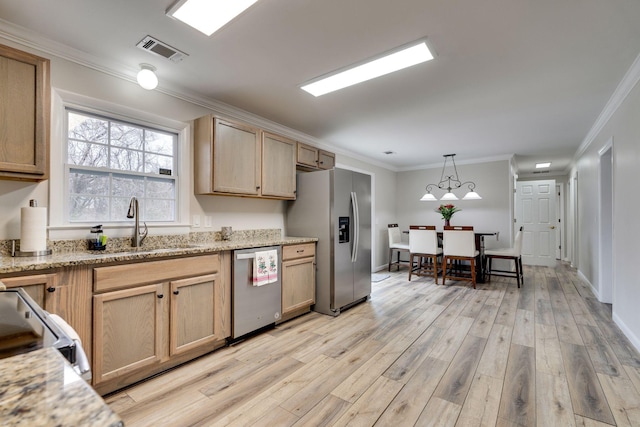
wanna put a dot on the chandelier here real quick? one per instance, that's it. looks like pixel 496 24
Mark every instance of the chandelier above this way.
pixel 451 182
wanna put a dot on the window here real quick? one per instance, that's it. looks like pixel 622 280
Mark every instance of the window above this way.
pixel 109 161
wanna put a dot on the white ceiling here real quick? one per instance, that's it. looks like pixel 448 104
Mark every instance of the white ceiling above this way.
pixel 519 77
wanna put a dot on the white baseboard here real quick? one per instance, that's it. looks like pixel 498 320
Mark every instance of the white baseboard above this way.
pixel 626 331
pixel 635 341
pixel 594 290
pixel 381 267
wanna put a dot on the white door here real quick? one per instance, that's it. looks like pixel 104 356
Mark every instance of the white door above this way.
pixel 536 212
pixel 559 214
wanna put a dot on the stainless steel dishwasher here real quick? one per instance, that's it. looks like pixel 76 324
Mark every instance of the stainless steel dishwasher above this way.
pixel 253 307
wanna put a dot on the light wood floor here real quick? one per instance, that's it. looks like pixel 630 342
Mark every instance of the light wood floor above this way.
pixel 419 354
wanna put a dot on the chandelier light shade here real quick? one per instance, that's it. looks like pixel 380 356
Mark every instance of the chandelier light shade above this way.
pixel 450 182
pixel 146 77
pixel 428 197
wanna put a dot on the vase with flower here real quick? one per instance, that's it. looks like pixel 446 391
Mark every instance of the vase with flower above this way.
pixel 447 212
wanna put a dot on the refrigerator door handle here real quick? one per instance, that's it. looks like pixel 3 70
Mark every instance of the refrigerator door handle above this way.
pixel 356 227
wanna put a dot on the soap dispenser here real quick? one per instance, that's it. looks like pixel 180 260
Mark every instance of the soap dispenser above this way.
pixel 97 242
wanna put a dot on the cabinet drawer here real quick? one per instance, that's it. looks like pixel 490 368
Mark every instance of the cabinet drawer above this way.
pixel 298 251
pixel 127 275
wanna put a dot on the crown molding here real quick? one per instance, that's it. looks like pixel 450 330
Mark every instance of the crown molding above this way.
pixel 624 88
pixel 34 41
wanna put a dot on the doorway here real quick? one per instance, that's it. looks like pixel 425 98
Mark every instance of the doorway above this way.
pixel 606 279
pixel 560 236
pixel 536 212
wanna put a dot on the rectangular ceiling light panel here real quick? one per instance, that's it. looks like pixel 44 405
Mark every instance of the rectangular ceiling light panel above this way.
pixel 388 63
pixel 208 16
pixel 543 165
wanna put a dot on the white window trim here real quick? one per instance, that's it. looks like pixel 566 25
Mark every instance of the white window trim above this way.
pixel 59 229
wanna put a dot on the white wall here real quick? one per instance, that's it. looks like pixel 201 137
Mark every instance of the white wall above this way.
pixel 494 212
pixel 624 128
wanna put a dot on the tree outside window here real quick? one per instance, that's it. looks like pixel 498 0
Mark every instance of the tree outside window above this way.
pixel 109 161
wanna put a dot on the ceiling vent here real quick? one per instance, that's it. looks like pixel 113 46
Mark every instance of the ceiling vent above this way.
pixel 537 172
pixel 159 48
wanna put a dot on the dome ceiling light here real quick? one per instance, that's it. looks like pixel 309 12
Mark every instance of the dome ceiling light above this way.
pixel 146 77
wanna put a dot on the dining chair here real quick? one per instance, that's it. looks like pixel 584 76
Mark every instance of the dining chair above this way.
pixel 459 244
pixel 511 254
pixel 423 244
pixel 396 244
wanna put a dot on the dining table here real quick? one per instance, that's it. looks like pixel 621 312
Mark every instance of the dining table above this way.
pixel 480 235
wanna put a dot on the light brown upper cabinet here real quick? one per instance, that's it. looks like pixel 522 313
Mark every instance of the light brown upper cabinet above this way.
pixel 310 158
pixel 227 157
pixel 326 159
pixel 307 155
pixel 278 166
pixel 24 115
pixel 236 159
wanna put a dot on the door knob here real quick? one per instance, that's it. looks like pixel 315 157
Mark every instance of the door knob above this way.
pixel 553 227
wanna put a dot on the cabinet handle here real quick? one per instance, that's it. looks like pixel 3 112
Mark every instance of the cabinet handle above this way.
pixel 257 187
pixel 51 289
pixel 300 251
pixel 322 163
pixel 176 292
pixel 160 296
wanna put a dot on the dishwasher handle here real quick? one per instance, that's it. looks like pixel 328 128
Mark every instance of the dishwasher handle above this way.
pixel 246 256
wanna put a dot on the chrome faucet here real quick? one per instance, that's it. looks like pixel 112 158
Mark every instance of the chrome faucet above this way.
pixel 133 212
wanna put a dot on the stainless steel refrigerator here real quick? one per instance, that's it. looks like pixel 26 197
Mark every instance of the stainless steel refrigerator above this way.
pixel 335 206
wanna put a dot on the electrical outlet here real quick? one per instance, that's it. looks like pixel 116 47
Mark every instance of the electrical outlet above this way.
pixel 196 221
pixel 208 221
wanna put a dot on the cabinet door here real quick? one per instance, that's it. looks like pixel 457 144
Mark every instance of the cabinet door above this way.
pixel 41 288
pixel 24 103
pixel 278 166
pixel 126 331
pixel 236 158
pixel 326 159
pixel 298 284
pixel 73 301
pixel 193 320
pixel 307 155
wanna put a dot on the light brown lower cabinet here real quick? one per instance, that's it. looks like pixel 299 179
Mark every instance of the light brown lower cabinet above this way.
pixel 149 327
pixel 193 306
pixel 127 328
pixel 40 287
pixel 298 279
pixel 65 292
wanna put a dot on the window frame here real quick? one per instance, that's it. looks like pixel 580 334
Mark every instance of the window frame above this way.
pixel 59 228
pixel 111 172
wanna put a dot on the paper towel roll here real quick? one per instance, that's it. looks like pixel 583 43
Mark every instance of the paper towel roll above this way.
pixel 33 229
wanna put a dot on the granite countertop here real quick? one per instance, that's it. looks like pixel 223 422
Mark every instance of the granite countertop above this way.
pixel 40 388
pixel 64 258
